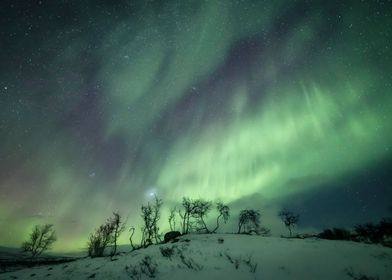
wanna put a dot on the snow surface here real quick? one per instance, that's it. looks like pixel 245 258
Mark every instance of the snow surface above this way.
pixel 237 257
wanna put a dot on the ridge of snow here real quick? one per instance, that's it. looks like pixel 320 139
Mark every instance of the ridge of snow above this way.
pixel 206 256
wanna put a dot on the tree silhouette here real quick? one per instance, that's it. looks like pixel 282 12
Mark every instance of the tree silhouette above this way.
pixel 151 215
pixel 41 239
pixel 118 227
pixel 107 234
pixel 172 219
pixel 224 213
pixel 289 219
pixel 132 230
pixel 194 213
pixel 100 239
pixel 188 206
pixel 249 221
pixel 200 210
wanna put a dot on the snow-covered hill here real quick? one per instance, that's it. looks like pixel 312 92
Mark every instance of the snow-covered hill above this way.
pixel 230 256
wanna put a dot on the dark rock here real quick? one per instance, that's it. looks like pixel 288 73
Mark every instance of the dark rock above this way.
pixel 171 235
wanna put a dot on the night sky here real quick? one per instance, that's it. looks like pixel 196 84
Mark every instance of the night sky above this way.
pixel 263 104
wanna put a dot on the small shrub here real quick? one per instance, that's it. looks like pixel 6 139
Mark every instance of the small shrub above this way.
pixel 221 240
pixel 357 276
pixel 252 266
pixel 190 263
pixel 133 272
pixel 263 231
pixel 148 267
pixel 167 252
pixel 236 261
pixel 304 235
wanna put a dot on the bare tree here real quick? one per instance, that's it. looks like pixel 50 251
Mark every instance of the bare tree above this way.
pixel 193 214
pixel 151 215
pixel 195 211
pixel 200 209
pixel 172 219
pixel 224 213
pixel 107 234
pixel 249 221
pixel 132 230
pixel 41 239
pixel 100 239
pixel 289 219
pixel 188 207
pixel 147 229
pixel 118 227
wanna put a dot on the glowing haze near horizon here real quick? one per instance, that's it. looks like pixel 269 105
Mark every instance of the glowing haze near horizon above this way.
pixel 104 104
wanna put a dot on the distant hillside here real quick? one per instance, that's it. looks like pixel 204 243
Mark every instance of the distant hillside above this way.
pixel 10 253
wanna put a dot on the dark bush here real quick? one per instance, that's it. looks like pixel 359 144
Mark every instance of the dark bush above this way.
pixel 380 233
pixel 326 234
pixel 190 263
pixel 167 252
pixel 385 226
pixel 375 233
pixel 148 267
pixel 264 231
pixel 368 233
pixel 335 234
pixel 358 276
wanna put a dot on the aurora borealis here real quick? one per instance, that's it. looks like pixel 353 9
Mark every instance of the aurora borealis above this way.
pixel 251 102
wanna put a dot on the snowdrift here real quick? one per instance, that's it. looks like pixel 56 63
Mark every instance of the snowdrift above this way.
pixel 229 256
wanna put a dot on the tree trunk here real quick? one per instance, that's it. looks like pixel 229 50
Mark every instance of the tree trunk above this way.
pixel 217 224
pixel 115 241
pixel 130 238
pixel 204 224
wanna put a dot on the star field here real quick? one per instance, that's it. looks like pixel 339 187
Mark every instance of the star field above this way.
pixel 270 103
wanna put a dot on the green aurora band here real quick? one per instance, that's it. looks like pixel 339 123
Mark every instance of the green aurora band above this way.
pixel 211 99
